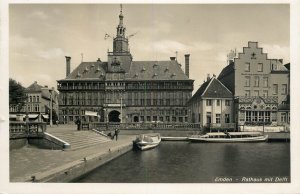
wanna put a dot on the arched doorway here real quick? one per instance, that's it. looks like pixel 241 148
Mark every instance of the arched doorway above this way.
pixel 135 119
pixel 113 116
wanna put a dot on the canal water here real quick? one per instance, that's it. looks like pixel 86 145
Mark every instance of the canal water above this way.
pixel 184 162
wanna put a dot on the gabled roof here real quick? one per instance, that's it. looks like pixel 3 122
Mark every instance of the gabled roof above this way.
pixel 212 88
pixel 156 70
pixel 88 70
pixel 226 70
pixel 35 87
pixel 216 89
pixel 287 66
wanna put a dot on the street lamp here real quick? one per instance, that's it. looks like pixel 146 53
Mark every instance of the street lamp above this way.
pixel 51 106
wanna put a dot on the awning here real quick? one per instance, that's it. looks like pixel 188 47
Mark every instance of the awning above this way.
pixel 45 116
pixel 16 115
pixel 33 116
pixel 91 113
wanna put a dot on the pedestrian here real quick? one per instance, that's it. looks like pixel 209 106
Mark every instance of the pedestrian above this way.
pixel 78 123
pixel 57 123
pixel 116 133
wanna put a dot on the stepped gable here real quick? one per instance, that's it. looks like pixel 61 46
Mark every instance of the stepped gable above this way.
pixel 155 70
pixel 35 87
pixel 89 70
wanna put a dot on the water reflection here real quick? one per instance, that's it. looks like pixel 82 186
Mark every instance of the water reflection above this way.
pixel 184 162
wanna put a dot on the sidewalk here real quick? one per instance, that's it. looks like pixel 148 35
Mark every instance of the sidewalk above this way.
pixel 30 160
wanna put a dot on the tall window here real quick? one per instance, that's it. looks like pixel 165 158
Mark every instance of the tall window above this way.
pixel 247 81
pixel 227 118
pixel 267 116
pixel 256 93
pixel 265 82
pixel 208 102
pixel 218 118
pixel 227 102
pixel 259 67
pixel 260 116
pixel 247 92
pixel 218 102
pixel 284 89
pixel 254 116
pixel 265 93
pixel 256 81
pixel 275 89
pixel 248 116
pixel 247 67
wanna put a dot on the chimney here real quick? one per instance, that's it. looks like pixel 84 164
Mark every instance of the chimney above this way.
pixel 172 58
pixel 98 60
pixel 208 77
pixel 68 65
pixel 187 65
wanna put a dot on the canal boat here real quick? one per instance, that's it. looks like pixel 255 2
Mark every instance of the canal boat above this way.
pixel 230 137
pixel 147 141
pixel 174 138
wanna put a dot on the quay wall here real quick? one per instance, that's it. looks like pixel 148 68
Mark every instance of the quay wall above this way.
pixel 17 143
pixel 76 169
pixel 172 133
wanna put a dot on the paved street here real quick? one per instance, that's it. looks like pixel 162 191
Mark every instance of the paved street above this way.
pixel 29 160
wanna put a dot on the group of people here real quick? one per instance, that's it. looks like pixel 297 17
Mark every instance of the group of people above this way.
pixel 115 134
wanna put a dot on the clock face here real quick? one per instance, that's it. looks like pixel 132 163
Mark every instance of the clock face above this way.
pixel 258 101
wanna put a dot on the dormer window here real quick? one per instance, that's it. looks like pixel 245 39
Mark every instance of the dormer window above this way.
pixel 86 69
pixel 167 69
pixel 173 75
pixel 136 75
pixel 143 69
pixel 78 75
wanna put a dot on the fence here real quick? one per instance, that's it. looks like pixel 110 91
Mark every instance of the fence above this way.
pixel 143 126
pixel 30 128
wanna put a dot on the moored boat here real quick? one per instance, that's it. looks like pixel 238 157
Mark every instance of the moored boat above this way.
pixel 174 138
pixel 230 137
pixel 147 141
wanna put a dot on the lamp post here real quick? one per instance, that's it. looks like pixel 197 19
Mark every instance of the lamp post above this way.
pixel 121 108
pixel 51 106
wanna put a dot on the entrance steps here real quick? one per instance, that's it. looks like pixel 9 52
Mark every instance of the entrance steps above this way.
pixel 80 139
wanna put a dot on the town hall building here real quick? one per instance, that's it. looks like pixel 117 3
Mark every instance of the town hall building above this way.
pixel 124 90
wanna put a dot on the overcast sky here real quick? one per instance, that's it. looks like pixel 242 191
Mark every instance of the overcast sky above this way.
pixel 42 35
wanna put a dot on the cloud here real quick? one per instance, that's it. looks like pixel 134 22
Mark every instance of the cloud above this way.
pixel 39 15
pixel 51 53
pixel 168 46
pixel 20 42
pixel 275 51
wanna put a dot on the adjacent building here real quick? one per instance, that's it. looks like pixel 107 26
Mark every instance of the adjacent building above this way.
pixel 123 90
pixel 38 104
pixel 212 105
pixel 260 87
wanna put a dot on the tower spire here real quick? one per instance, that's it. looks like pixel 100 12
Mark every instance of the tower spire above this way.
pixel 121 16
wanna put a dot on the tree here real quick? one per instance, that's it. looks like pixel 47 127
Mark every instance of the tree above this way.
pixel 17 95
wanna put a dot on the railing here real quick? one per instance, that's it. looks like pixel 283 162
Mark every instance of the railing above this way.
pixel 221 125
pixel 29 128
pixel 158 125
